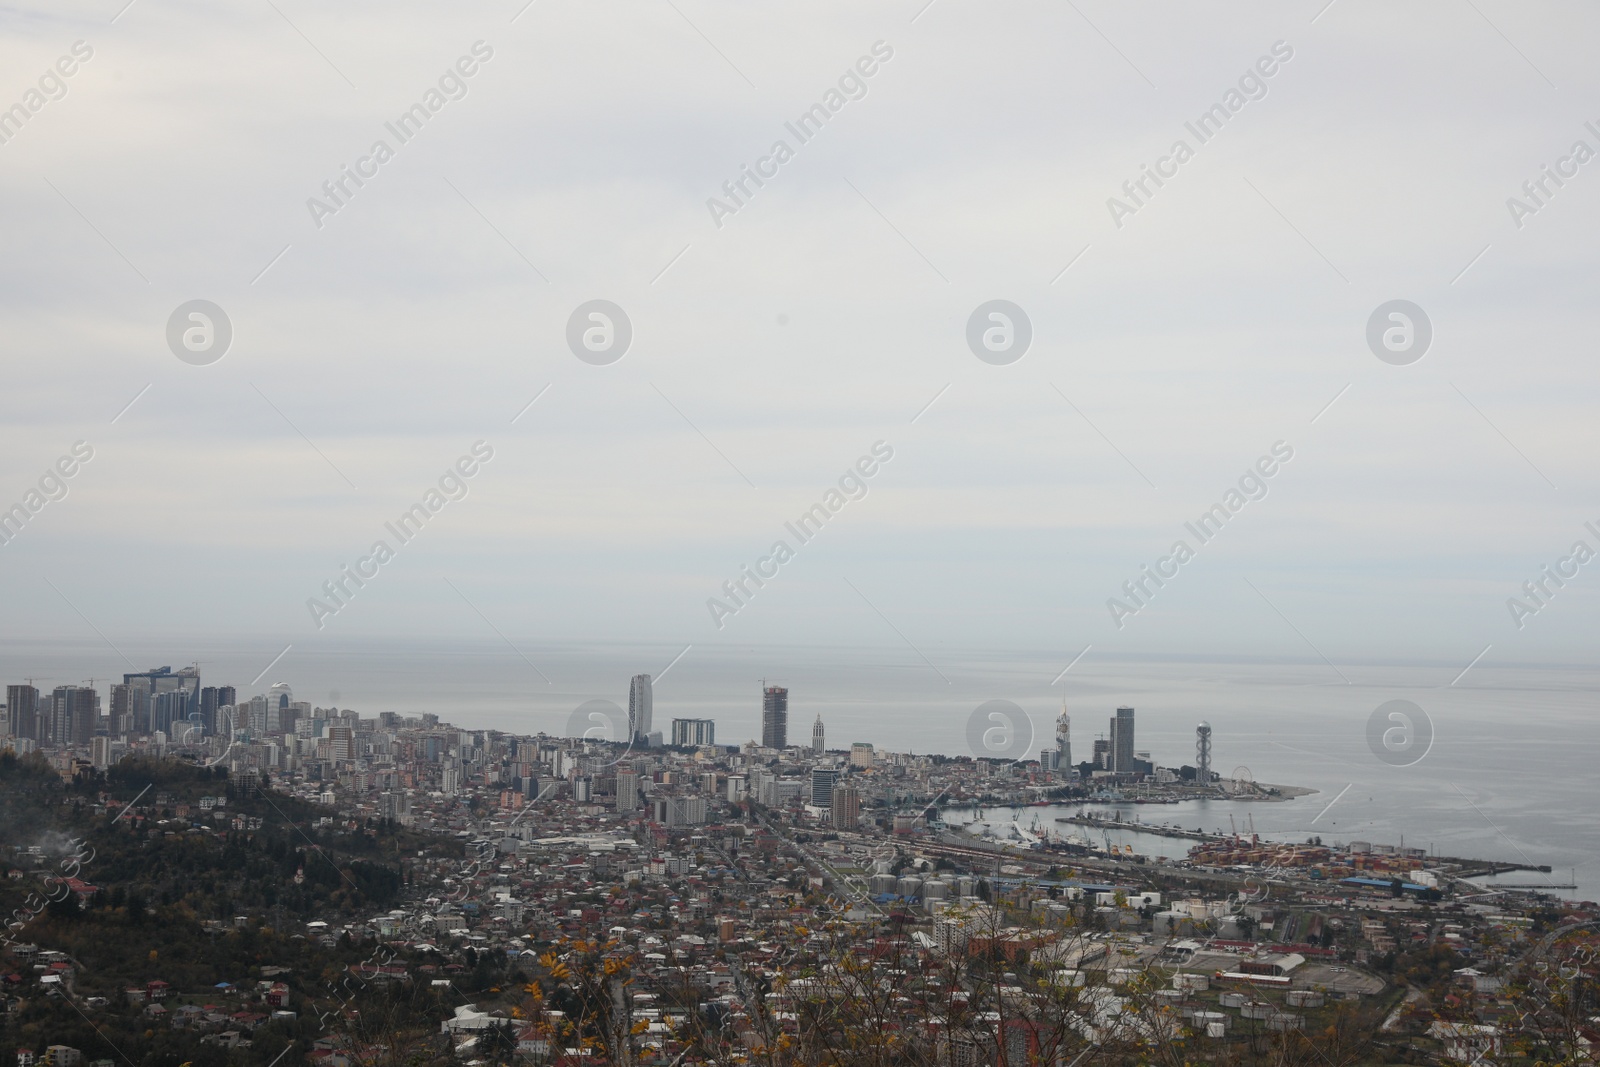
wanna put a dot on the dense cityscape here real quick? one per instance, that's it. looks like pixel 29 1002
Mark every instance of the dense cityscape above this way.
pixel 389 888
pixel 1101 501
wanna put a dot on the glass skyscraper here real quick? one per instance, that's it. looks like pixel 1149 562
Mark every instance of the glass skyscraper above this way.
pixel 639 701
pixel 774 717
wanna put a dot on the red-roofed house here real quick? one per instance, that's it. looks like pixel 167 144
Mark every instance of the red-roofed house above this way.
pixel 83 890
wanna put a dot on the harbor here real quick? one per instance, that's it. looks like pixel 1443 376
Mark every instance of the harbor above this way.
pixel 1159 829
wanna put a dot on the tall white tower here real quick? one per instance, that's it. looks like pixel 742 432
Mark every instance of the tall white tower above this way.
pixel 639 701
pixel 1064 742
pixel 817 744
pixel 1202 755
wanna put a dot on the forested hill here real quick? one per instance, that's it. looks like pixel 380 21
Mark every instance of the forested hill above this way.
pixel 161 870
pixel 174 852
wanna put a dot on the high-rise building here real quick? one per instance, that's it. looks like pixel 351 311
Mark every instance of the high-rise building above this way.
pixel 121 710
pixel 169 714
pixel 1102 754
pixel 639 701
pixel 694 732
pixel 1202 754
pixel 846 810
pixel 341 743
pixel 208 708
pixel 861 755
pixel 74 710
pixel 22 709
pixel 679 811
pixel 1122 742
pixel 823 779
pixel 774 717
pixel 627 789
pixel 138 710
pixel 259 715
pixel 1064 742
pixel 144 685
pixel 392 805
pixel 818 739
pixel 763 786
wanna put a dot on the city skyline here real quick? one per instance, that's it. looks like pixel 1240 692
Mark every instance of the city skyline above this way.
pixel 694 534
pixel 58 716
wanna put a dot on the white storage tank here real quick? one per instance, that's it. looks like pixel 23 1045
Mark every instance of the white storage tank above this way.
pixel 1234 1000
pixel 1166 922
pixel 1216 1030
pixel 1305 998
pixel 1257 1009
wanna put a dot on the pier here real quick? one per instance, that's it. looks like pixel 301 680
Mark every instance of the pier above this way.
pixel 1141 827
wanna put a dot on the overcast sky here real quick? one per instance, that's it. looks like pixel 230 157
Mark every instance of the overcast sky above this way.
pixel 1173 345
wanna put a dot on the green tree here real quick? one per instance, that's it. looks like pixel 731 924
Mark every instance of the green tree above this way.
pixel 498 1042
